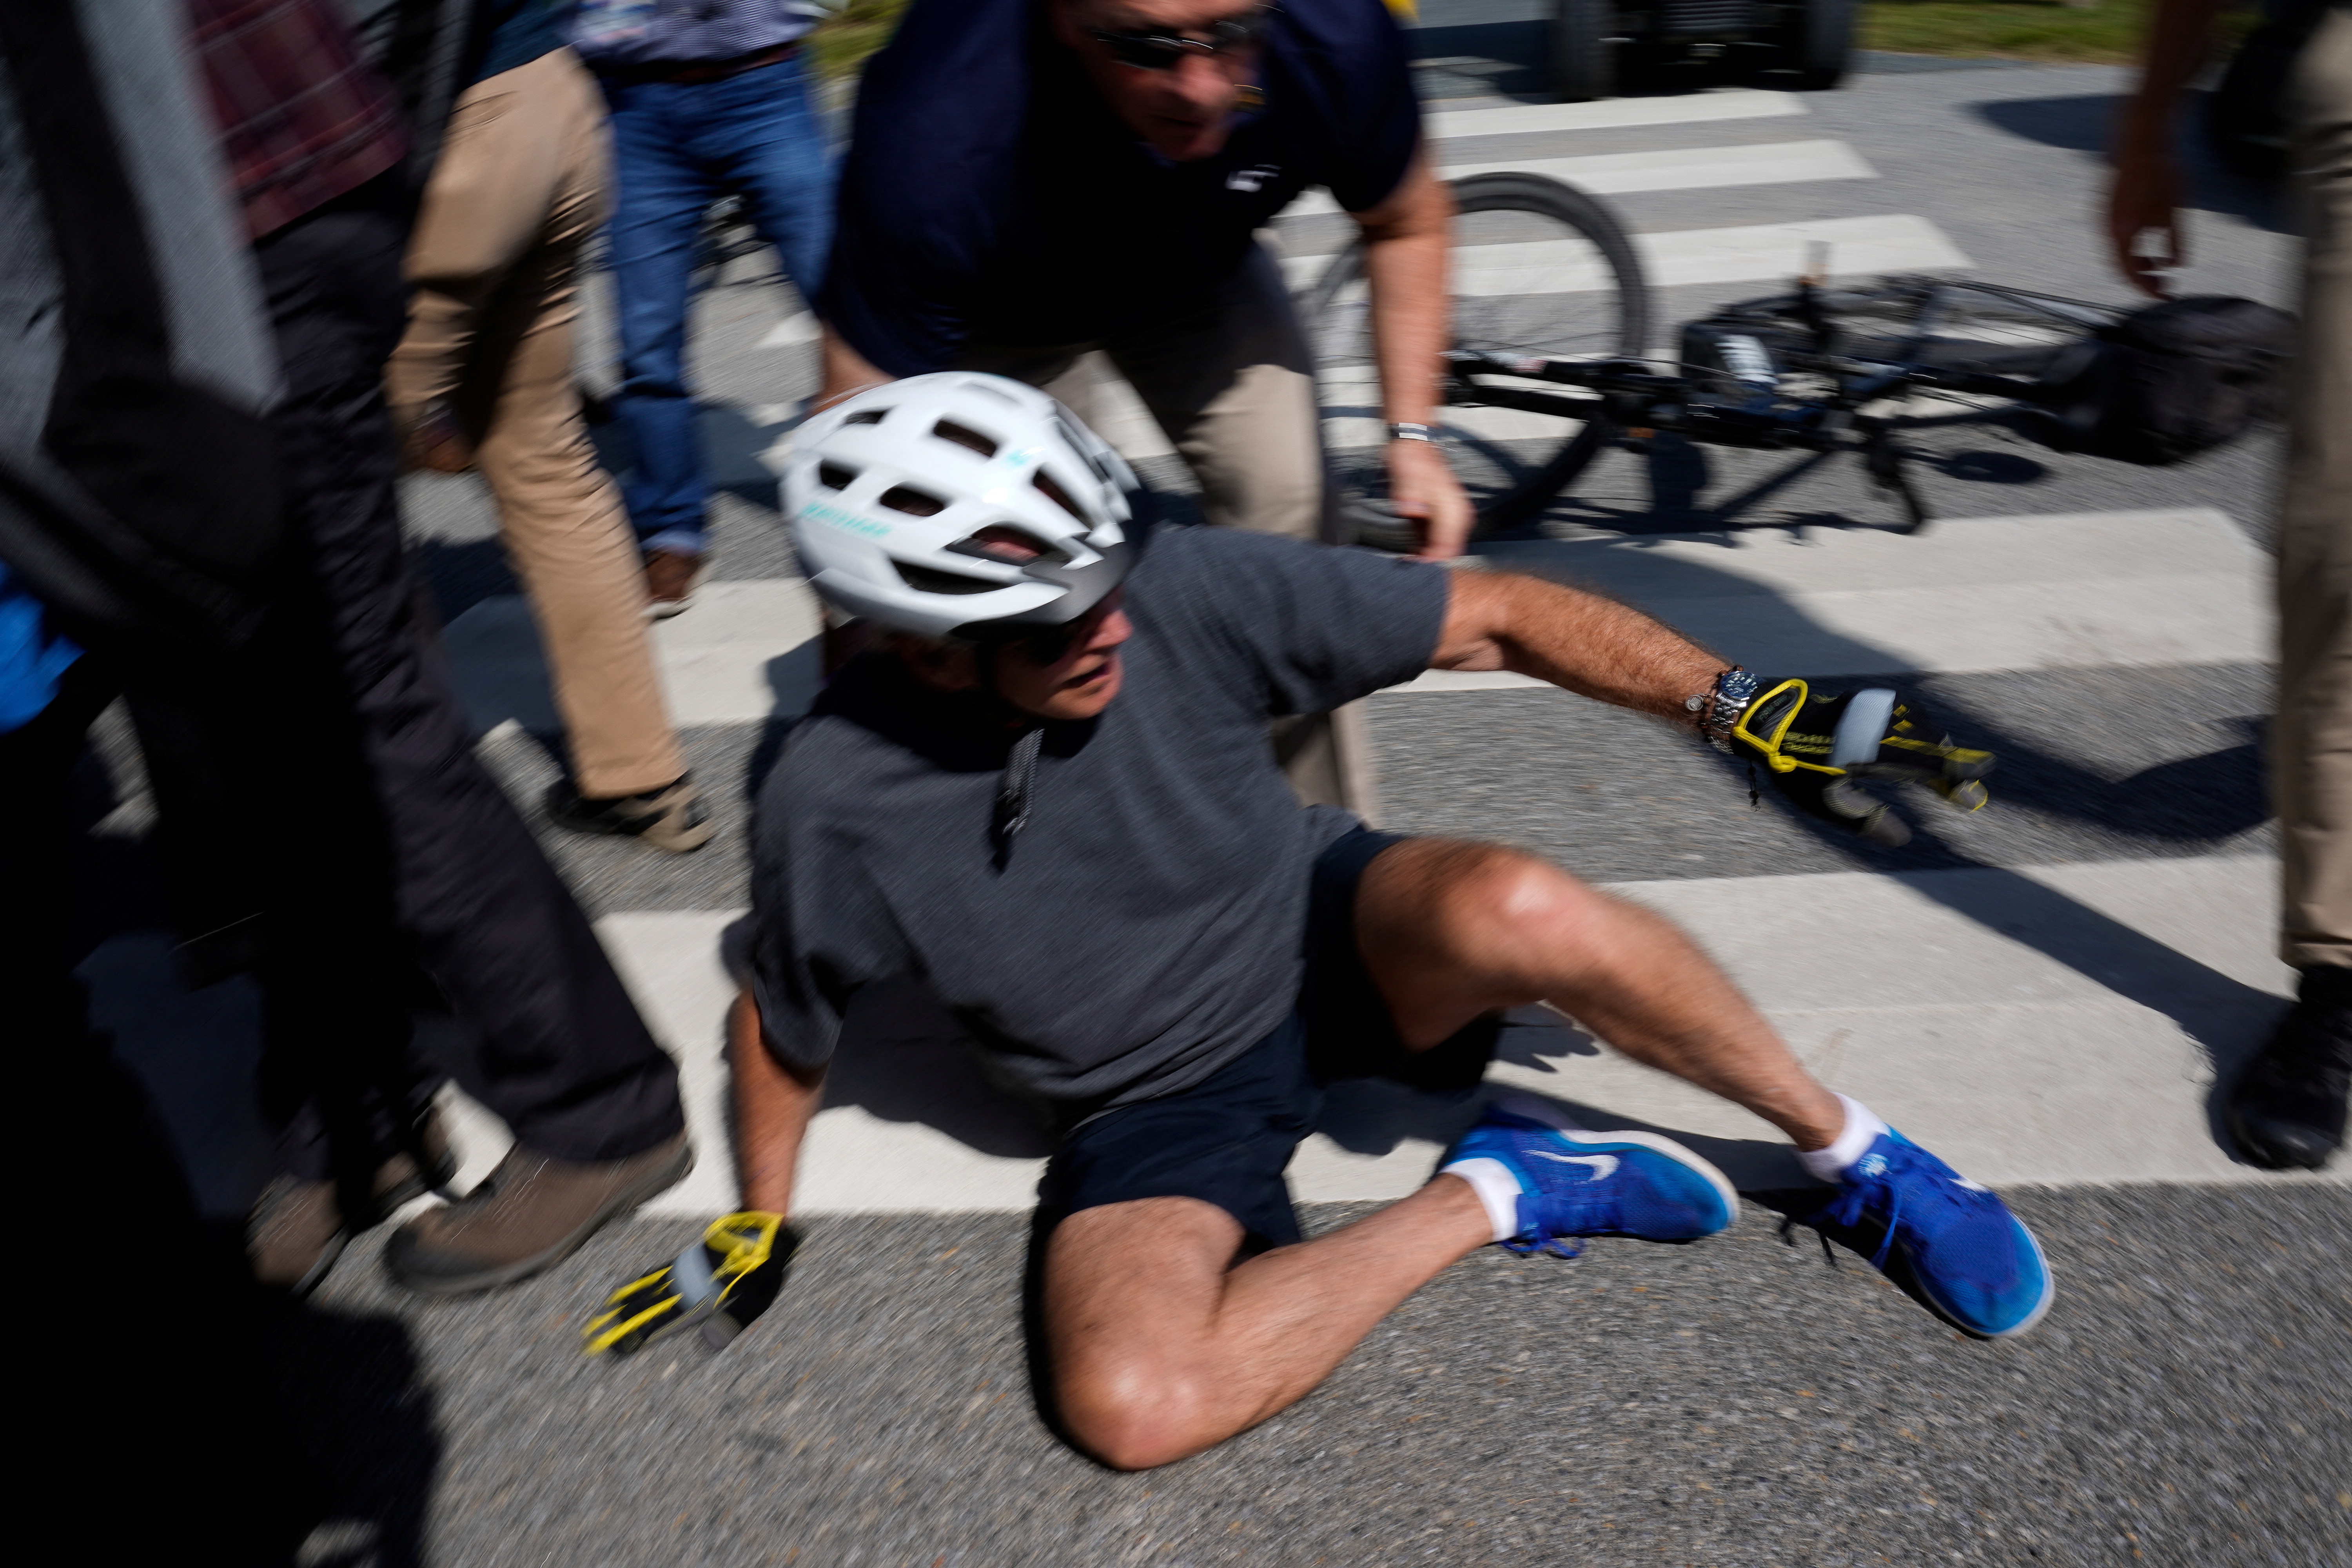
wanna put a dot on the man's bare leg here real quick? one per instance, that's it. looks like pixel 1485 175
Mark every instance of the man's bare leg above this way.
pixel 1451 930
pixel 1163 1346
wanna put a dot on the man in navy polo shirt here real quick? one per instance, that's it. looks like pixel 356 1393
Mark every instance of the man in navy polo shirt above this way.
pixel 1033 179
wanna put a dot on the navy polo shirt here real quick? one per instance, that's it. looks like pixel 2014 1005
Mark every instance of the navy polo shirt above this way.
pixel 991 195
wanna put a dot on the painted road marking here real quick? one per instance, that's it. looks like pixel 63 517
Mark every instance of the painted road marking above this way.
pixel 1677 169
pixel 2008 1061
pixel 1683 108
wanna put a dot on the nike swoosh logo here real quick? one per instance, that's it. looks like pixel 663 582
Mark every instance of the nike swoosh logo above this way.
pixel 1971 1186
pixel 1604 1165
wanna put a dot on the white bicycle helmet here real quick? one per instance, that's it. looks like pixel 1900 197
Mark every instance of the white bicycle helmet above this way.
pixel 958 504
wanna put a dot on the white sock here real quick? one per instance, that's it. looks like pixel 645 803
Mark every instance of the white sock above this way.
pixel 1496 1188
pixel 1862 1130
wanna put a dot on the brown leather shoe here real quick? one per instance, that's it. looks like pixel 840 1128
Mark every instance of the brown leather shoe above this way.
pixel 530 1214
pixel 671 576
pixel 670 817
pixel 294 1235
pixel 297 1229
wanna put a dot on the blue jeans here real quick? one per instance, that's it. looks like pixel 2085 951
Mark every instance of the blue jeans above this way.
pixel 677 148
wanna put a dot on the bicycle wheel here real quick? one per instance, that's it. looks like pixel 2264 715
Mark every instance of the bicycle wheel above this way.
pixel 1537 267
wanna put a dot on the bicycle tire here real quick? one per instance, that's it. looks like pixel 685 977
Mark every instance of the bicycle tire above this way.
pixel 1583 56
pixel 1822 45
pixel 1518 476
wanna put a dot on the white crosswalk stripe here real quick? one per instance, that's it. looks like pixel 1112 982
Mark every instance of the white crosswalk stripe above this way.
pixel 2094 590
pixel 1670 169
pixel 1609 114
pixel 2014 1065
pixel 1986 1030
pixel 1891 243
pixel 2011 1065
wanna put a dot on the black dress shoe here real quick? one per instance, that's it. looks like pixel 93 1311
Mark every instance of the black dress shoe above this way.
pixel 2286 1110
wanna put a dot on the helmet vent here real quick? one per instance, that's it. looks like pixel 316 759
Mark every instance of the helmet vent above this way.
pixel 866 417
pixel 1052 490
pixel 925 579
pixel 964 436
pixel 1008 546
pixel 835 476
pixel 912 501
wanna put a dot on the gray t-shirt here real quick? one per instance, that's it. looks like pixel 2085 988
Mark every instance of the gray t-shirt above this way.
pixel 1144 927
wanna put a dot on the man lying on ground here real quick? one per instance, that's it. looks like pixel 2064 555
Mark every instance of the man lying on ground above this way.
pixel 1049 797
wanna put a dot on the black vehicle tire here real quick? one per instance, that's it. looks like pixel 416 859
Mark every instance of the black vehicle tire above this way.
pixel 1823 44
pixel 1583 60
pixel 1513 463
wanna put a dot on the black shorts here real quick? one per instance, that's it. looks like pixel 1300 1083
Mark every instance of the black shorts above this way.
pixel 1228 1138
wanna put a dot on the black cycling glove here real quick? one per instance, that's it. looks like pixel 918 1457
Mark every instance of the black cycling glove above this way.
pixel 1815 747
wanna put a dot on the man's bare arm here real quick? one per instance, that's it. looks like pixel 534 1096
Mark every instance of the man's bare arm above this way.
pixel 773 1105
pixel 2145 196
pixel 1406 243
pixel 1591 646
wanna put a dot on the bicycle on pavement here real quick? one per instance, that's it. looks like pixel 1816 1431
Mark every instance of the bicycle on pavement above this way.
pixel 1551 323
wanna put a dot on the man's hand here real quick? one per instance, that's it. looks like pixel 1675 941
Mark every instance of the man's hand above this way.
pixel 2144 226
pixel 1405 243
pixel 1816 747
pixel 843 371
pixel 719 1285
pixel 1421 485
pixel 2143 205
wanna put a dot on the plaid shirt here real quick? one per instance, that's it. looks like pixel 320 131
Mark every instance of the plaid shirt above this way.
pixel 301 119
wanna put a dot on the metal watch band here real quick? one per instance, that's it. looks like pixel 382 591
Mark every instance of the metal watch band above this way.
pixel 1717 709
pixel 1409 432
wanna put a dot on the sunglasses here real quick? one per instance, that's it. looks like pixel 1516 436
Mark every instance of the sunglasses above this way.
pixel 1160 51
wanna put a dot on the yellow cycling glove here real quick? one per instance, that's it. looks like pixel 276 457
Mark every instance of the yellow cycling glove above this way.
pixel 1816 747
pixel 719 1285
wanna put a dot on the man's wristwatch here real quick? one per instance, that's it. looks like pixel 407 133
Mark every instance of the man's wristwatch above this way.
pixel 1717 709
pixel 1406 431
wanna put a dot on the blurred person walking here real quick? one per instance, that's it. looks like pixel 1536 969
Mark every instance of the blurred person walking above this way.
pixel 708 99
pixel 483 379
pixel 1114 161
pixel 2287 1108
pixel 240 568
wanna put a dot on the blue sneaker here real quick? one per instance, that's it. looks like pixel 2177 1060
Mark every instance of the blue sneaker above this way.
pixel 1575 1182
pixel 1949 1242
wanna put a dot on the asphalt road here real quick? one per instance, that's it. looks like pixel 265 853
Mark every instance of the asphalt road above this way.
pixel 1733 1402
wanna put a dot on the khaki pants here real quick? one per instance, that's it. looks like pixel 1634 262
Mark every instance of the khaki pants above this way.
pixel 2312 742
pixel 493 267
pixel 1232 385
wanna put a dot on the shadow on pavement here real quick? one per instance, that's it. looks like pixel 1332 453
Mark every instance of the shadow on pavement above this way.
pixel 2194 801
pixel 2084 126
pixel 354 1390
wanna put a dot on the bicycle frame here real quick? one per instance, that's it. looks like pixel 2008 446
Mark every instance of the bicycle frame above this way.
pixel 1635 398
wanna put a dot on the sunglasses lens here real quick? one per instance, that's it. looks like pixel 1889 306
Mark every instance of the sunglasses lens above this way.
pixel 1143 53
pixel 1044 647
pixel 1160 51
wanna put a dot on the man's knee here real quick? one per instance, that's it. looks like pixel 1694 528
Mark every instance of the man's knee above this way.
pixel 1135 1416
pixel 1490 909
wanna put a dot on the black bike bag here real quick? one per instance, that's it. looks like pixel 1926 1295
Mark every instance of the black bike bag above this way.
pixel 2175 379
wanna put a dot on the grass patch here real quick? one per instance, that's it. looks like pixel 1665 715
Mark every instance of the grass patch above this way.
pixel 2107 33
pixel 844 40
